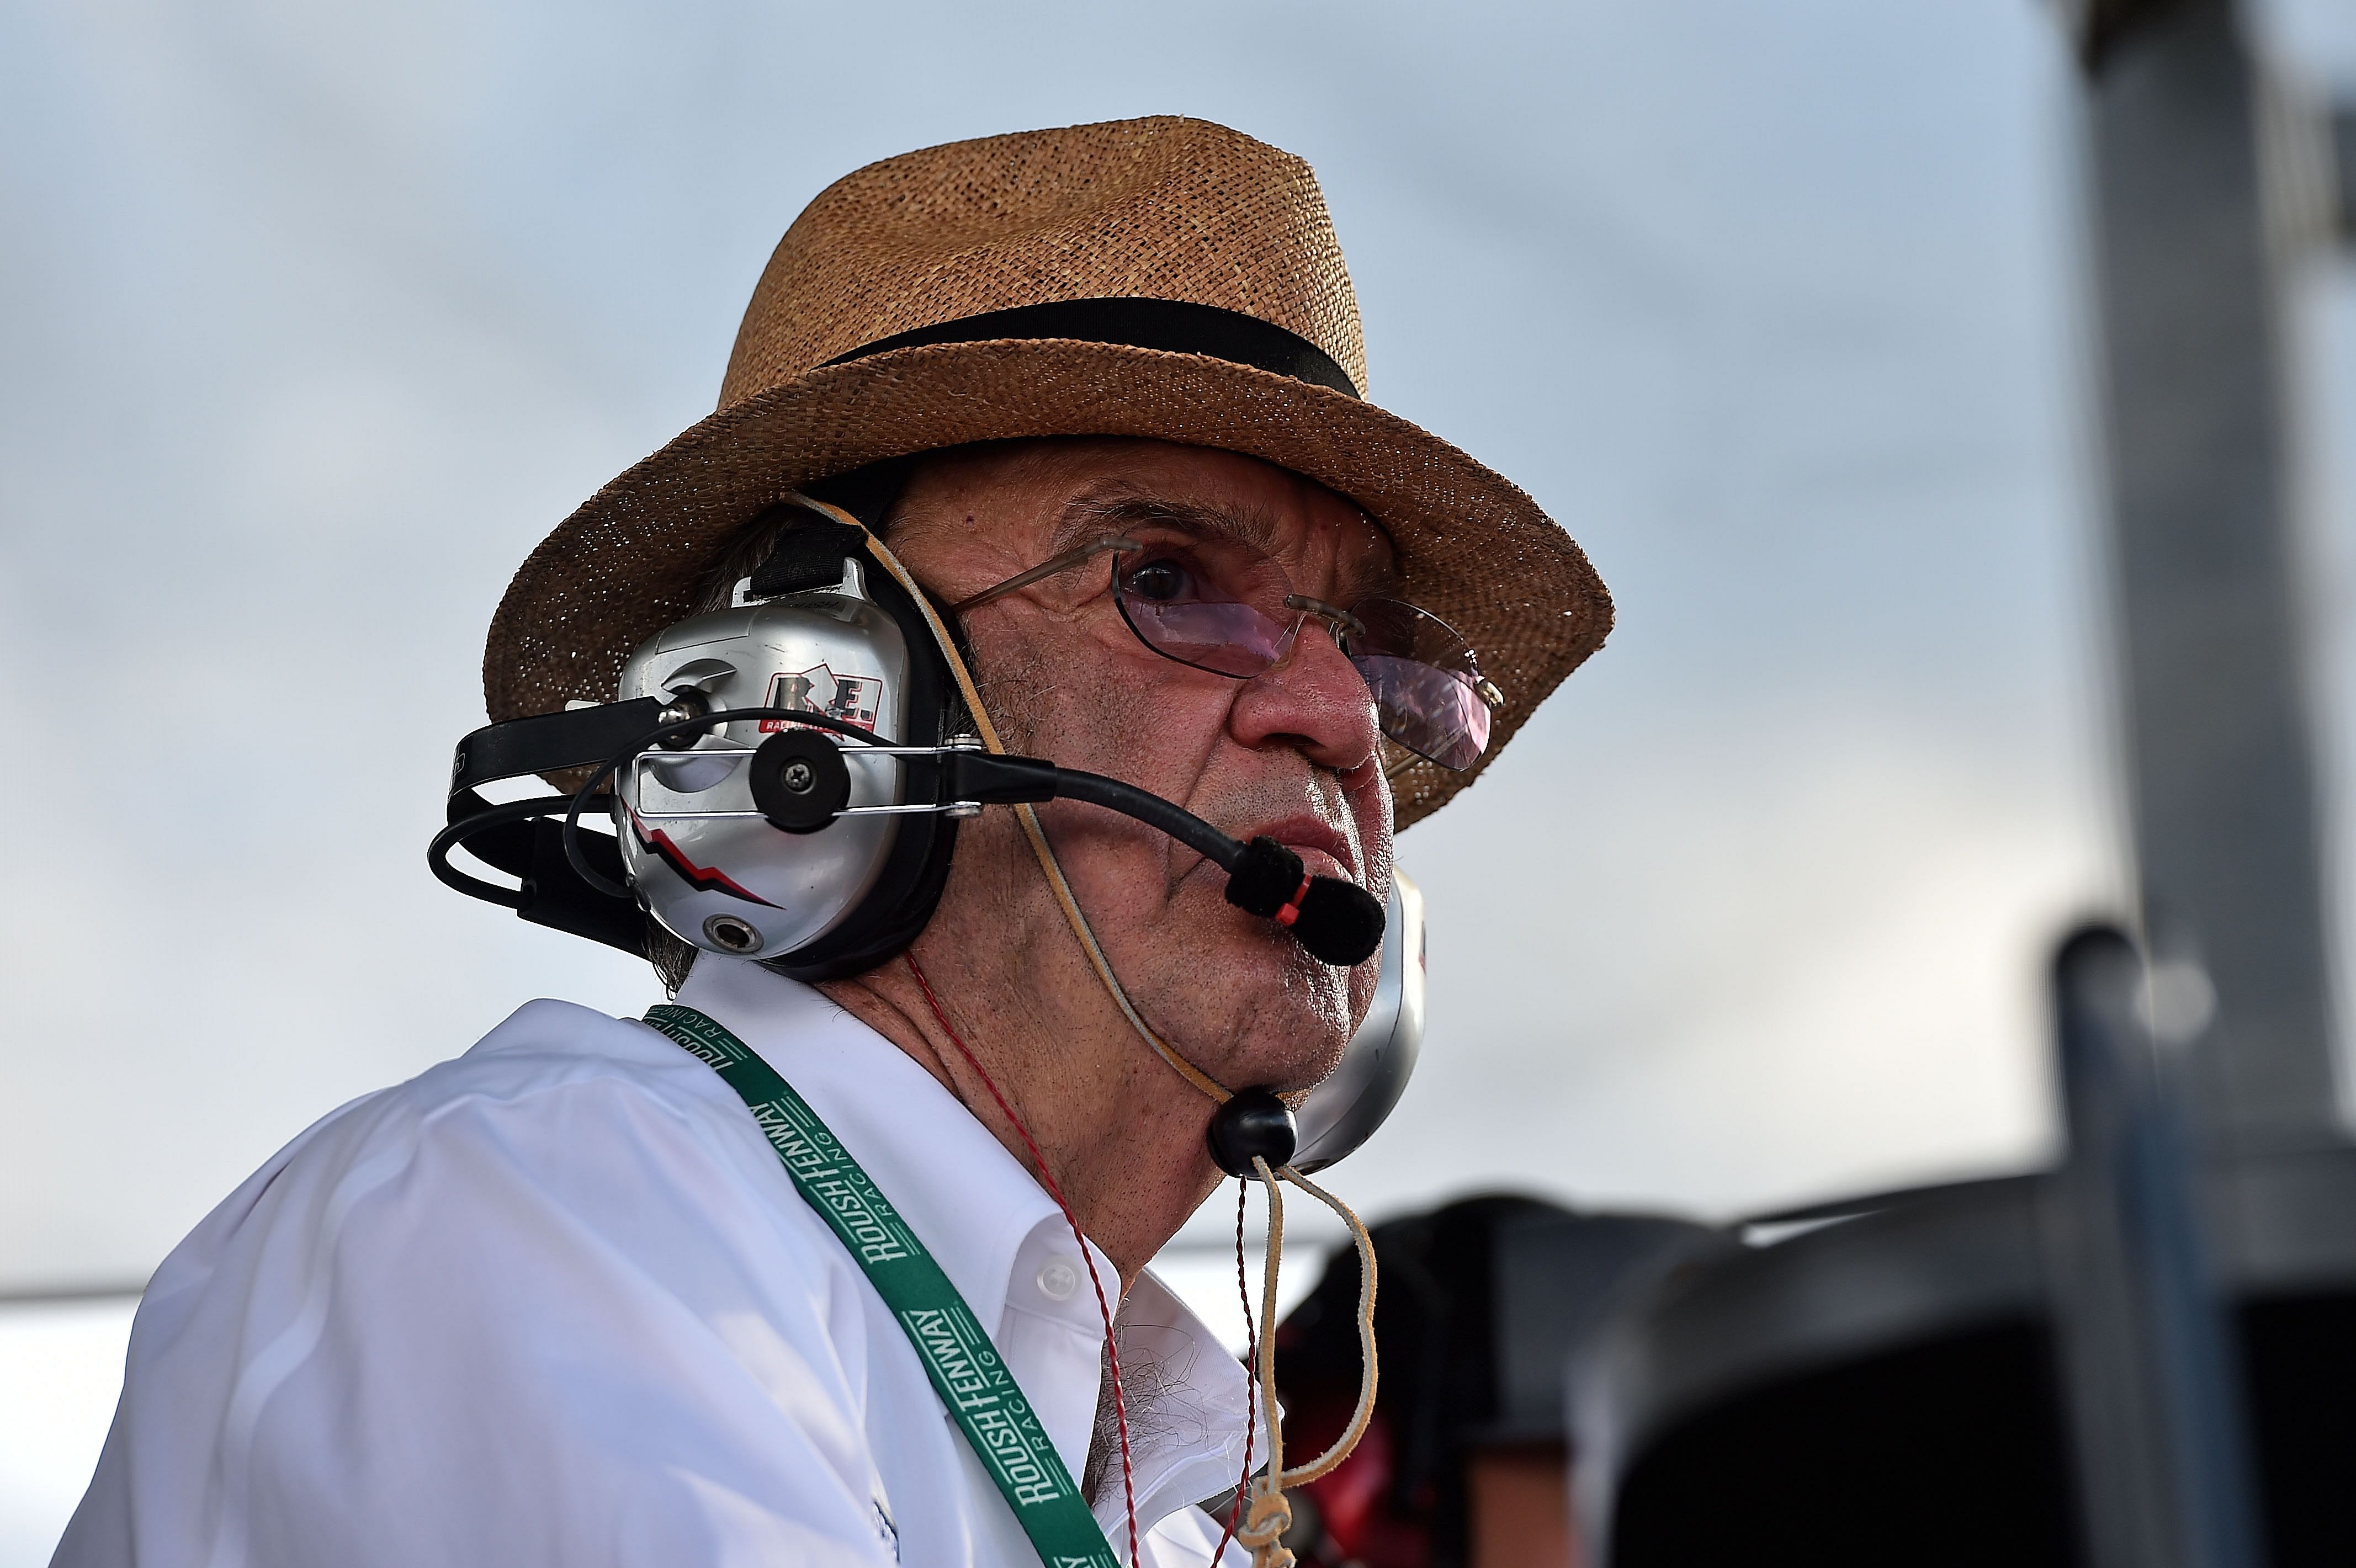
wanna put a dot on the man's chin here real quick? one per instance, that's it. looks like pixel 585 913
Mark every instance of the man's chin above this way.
pixel 1265 1020
pixel 1291 1067
pixel 1237 993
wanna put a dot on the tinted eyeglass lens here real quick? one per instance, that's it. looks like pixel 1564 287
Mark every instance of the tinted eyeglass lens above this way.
pixel 1198 602
pixel 1422 675
pixel 1433 713
pixel 1194 603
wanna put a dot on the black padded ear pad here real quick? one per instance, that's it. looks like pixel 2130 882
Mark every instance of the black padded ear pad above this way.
pixel 887 920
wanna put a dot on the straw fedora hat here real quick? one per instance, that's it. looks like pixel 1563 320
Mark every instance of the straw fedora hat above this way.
pixel 1164 278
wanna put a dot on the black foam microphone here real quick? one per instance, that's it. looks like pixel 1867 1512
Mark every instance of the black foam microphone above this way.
pixel 1339 922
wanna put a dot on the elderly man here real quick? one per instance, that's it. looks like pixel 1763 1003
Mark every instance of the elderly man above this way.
pixel 555 1301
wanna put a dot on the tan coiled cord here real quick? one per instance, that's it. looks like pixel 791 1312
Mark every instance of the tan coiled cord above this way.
pixel 1267 1513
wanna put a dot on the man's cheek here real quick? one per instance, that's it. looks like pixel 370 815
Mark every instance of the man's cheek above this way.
pixel 1376 849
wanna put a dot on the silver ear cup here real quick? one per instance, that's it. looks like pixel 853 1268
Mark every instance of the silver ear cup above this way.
pixel 704 861
pixel 1341 1112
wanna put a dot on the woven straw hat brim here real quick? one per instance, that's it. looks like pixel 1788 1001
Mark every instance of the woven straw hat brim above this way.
pixel 1476 550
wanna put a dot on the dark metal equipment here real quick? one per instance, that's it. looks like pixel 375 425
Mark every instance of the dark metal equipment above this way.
pixel 2147 1357
pixel 2141 1359
pixel 1891 1387
pixel 2153 1387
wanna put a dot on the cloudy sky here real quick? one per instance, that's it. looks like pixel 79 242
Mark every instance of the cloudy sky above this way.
pixel 317 317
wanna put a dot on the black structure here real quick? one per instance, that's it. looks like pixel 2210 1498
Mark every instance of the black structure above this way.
pixel 1891 1387
pixel 1480 1303
pixel 2145 1359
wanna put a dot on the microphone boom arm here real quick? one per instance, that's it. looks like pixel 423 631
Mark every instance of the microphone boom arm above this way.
pixel 1337 921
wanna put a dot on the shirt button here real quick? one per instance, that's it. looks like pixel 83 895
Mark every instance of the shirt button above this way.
pixel 1058 1279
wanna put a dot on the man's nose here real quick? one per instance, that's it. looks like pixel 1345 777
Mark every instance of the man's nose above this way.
pixel 1312 698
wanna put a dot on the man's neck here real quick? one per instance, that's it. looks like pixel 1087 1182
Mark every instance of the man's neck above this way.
pixel 1121 1133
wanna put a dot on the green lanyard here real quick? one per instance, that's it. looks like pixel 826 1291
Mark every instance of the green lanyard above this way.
pixel 965 1367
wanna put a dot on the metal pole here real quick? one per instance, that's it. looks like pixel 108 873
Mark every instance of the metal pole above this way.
pixel 2343 171
pixel 2162 1450
pixel 2221 761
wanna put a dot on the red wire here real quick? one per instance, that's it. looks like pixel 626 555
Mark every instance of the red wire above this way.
pixel 1251 1377
pixel 1112 1350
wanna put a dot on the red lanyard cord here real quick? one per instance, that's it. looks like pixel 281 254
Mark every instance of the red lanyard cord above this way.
pixel 1251 1384
pixel 1112 1350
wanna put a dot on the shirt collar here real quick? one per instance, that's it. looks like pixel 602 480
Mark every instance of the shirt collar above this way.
pixel 966 1198
pixel 994 1229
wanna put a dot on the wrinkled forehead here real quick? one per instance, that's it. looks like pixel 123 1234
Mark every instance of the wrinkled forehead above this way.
pixel 1320 539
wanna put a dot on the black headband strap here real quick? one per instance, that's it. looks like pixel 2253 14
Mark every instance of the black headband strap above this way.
pixel 1172 326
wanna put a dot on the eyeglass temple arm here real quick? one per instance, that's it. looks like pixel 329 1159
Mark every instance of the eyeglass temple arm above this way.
pixel 1046 569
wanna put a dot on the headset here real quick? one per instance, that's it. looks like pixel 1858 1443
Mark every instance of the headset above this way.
pixel 785 779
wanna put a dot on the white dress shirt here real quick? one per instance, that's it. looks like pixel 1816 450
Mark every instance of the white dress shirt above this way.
pixel 556 1302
